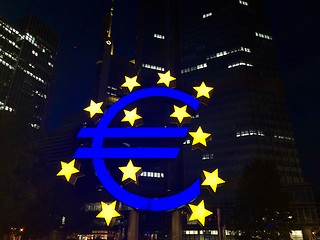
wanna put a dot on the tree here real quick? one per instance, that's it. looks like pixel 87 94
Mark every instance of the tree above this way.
pixel 19 198
pixel 262 212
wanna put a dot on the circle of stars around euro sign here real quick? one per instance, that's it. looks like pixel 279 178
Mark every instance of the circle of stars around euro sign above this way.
pixel 130 172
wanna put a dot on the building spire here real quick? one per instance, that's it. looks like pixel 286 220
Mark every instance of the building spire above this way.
pixel 110 20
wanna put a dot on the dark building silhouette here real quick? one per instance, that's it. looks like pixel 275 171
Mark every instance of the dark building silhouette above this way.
pixel 27 55
pixel 228 44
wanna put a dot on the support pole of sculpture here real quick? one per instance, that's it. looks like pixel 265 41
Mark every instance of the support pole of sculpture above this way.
pixel 176 227
pixel 133 230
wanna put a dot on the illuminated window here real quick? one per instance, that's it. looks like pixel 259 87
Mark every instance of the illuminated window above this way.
pixel 35 126
pixel 191 69
pixel 227 52
pixel 284 137
pixel 265 36
pixel 152 174
pixel 8 40
pixel 6 64
pixel 207 15
pixel 42 95
pixel 34 76
pixel 5 108
pixel 240 64
pixel 152 67
pixel 8 54
pixel 243 2
pixel 187 142
pixel 208 156
pixel 246 133
pixel 34 53
pixel 159 36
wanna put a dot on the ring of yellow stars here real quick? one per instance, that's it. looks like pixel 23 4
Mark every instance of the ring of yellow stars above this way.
pixel 199 137
pixel 130 172
pixel 67 169
pixel 212 179
pixel 131 116
pixel 180 113
pixel 203 90
pixel 131 83
pixel 199 213
pixel 94 108
pixel 108 212
pixel 165 78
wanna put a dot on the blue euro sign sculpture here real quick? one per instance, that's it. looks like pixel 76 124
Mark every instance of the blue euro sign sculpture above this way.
pixel 98 153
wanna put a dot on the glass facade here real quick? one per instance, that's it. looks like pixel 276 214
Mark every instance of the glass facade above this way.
pixel 27 56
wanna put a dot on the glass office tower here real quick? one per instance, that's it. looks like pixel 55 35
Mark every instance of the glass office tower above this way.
pixel 228 45
pixel 27 57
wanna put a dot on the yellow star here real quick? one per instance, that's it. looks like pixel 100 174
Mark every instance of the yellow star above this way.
pixel 130 172
pixel 203 90
pixel 67 169
pixel 131 83
pixel 94 108
pixel 212 179
pixel 199 213
pixel 199 137
pixel 165 78
pixel 180 113
pixel 131 116
pixel 108 212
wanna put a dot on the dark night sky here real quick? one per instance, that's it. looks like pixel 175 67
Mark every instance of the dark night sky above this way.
pixel 294 23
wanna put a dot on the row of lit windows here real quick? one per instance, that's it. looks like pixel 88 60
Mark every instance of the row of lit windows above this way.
pixel 30 39
pixel 11 42
pixel 201 232
pixel 40 94
pixel 6 64
pixel 8 28
pixel 194 68
pixel 224 53
pixel 8 54
pixel 207 15
pixel 34 76
pixel 158 36
pixel 229 232
pixel 152 174
pixel 265 36
pixel 240 64
pixel 250 133
pixel 27 36
pixel 35 126
pixel 153 67
pixel 246 133
pixel 243 2
pixel 113 88
pixel 208 156
pixel 112 94
pixel 283 137
pixel 5 108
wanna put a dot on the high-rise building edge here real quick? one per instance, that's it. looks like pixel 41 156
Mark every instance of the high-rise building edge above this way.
pixel 27 67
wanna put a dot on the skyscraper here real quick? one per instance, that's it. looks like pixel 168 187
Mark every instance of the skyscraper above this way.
pixel 228 44
pixel 27 56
